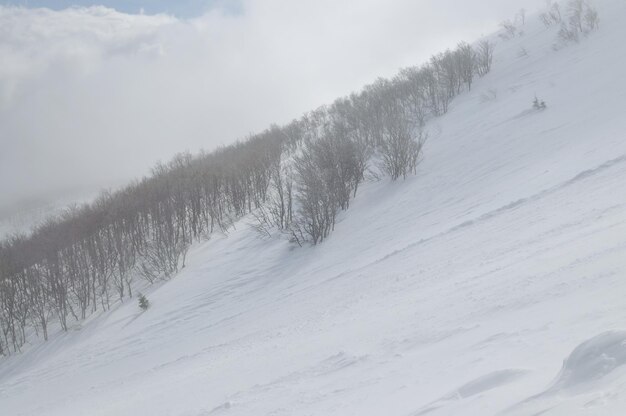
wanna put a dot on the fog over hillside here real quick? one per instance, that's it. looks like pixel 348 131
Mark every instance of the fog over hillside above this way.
pixel 92 97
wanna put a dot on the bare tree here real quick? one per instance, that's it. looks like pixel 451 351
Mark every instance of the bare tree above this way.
pixel 552 15
pixel 509 30
pixel 582 18
pixel 591 18
pixel 484 57
pixel 401 146
pixel 465 58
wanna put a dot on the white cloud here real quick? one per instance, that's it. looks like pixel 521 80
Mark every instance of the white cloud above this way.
pixel 90 96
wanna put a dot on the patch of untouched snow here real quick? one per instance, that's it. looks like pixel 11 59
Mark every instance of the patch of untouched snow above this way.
pixel 504 252
pixel 484 383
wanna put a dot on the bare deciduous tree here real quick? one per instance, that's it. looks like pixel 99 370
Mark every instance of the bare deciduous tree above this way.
pixel 509 30
pixel 484 57
pixel 582 18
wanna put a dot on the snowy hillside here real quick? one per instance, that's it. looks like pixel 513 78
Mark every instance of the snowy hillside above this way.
pixel 492 282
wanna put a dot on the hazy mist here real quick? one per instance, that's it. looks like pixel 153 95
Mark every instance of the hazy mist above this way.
pixel 91 97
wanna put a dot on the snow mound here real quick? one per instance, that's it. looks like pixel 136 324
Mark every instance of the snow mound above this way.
pixel 575 390
pixel 593 359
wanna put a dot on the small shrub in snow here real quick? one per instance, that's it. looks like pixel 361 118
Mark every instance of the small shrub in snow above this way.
pixel 144 303
pixel 522 52
pixel 539 104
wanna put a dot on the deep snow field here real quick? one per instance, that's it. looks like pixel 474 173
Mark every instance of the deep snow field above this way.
pixel 492 282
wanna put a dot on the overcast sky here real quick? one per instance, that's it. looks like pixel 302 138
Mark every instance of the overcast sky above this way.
pixel 92 97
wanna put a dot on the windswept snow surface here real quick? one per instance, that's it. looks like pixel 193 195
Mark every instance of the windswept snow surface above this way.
pixel 492 283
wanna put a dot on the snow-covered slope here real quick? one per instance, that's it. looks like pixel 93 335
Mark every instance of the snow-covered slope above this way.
pixel 493 282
